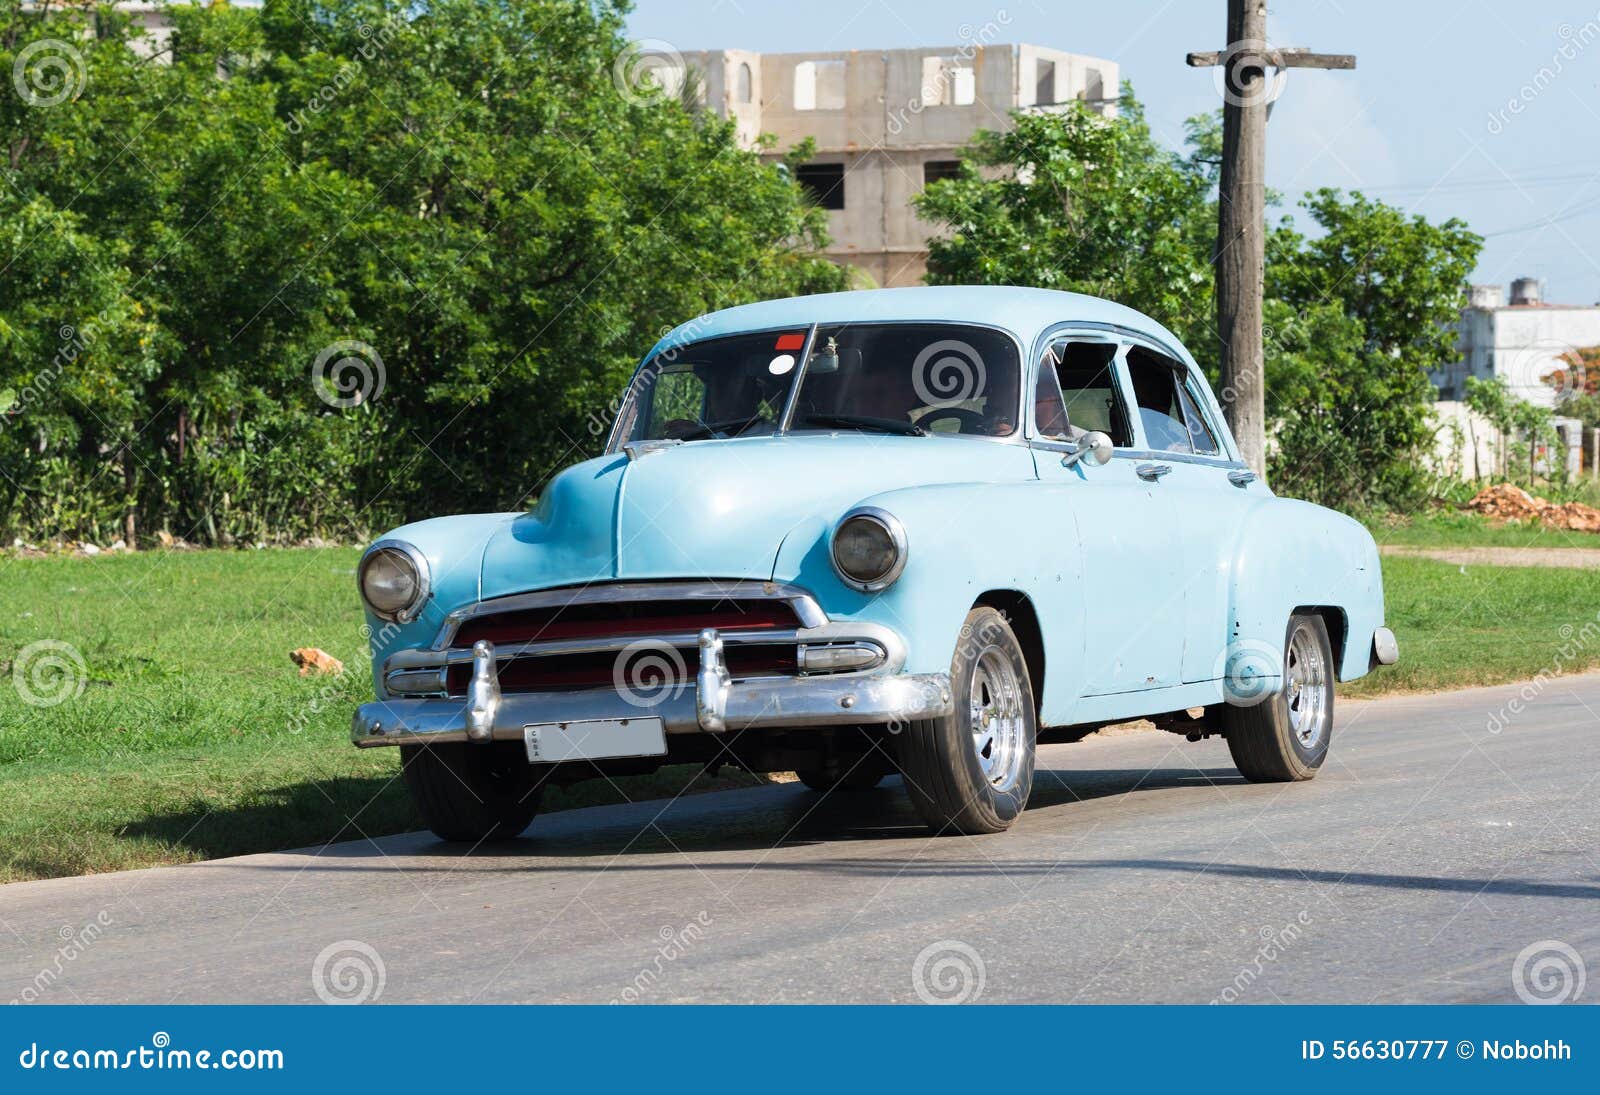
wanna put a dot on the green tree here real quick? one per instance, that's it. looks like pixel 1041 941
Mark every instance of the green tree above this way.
pixel 1355 315
pixel 1078 201
pixel 476 203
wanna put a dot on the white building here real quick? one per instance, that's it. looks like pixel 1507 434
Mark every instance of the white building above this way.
pixel 1536 348
pixel 887 122
pixel 1531 344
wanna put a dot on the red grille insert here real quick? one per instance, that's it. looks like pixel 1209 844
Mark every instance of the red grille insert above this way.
pixel 598 620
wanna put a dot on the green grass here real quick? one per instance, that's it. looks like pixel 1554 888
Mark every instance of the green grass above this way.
pixel 1446 529
pixel 1465 626
pixel 195 737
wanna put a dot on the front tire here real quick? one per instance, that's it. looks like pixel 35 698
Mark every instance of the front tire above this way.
pixel 971 771
pixel 1285 737
pixel 471 793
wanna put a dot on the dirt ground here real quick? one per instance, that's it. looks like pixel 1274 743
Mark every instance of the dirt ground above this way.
pixel 1571 558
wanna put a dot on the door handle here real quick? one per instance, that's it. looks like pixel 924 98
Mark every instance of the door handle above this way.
pixel 1241 478
pixel 1152 472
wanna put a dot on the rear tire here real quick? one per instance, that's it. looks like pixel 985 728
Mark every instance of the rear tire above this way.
pixel 472 793
pixel 1285 737
pixel 971 771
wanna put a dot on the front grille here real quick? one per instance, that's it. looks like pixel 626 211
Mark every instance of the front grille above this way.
pixel 648 671
pixel 649 646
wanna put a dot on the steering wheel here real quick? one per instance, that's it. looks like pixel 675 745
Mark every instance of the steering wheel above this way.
pixel 970 421
pixel 677 427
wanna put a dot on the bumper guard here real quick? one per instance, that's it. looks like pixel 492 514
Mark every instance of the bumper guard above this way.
pixel 718 703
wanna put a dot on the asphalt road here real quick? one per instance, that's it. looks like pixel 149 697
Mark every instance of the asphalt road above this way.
pixel 1428 856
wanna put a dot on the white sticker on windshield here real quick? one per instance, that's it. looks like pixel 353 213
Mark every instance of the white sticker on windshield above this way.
pixel 780 364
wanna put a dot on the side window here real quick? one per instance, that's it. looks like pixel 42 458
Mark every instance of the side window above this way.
pixel 1155 391
pixel 1199 429
pixel 1087 379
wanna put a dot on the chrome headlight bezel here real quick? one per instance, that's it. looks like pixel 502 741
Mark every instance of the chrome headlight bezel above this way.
pixel 419 566
pixel 897 536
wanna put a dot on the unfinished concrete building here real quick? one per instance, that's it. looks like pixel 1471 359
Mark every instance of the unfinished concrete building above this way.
pixel 888 122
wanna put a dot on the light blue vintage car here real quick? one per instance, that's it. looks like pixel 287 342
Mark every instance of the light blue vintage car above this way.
pixel 908 530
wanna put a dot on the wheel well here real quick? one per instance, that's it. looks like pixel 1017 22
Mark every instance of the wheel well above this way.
pixel 1024 621
pixel 1333 617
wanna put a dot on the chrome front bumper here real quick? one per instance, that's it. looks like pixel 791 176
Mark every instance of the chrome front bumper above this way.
pixel 713 703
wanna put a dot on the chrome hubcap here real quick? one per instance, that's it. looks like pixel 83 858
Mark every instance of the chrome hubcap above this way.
pixel 999 731
pixel 1306 676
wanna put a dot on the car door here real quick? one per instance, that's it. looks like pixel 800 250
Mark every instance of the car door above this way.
pixel 1204 492
pixel 1132 638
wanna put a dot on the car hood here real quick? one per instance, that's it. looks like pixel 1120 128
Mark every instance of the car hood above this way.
pixel 717 509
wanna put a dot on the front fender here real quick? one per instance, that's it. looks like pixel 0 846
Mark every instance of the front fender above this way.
pixel 962 540
pixel 1290 553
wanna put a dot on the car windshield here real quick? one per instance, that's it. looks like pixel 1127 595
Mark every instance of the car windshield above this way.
pixel 896 378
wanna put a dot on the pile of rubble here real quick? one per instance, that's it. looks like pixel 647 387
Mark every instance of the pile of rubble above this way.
pixel 1504 502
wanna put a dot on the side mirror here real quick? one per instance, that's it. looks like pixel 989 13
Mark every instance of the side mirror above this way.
pixel 1094 446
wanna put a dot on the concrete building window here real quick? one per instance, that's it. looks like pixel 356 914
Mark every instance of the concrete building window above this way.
pixel 945 82
pixel 1094 85
pixel 934 170
pixel 824 182
pixel 1044 84
pixel 743 89
pixel 819 85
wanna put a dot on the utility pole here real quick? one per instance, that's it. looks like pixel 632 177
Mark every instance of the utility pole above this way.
pixel 1248 92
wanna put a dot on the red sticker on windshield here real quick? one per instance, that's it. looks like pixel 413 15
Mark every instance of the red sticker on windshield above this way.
pixel 790 342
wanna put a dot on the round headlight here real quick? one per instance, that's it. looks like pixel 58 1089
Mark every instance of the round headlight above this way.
pixel 394 580
pixel 869 549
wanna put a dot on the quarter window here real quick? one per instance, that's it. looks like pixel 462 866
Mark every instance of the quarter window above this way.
pixel 1049 412
pixel 1199 429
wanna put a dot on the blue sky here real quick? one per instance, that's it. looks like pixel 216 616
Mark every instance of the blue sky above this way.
pixel 1421 123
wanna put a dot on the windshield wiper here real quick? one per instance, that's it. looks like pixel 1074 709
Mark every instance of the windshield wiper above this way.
pixel 863 422
pixel 731 427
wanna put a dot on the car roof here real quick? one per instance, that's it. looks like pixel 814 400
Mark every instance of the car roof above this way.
pixel 1023 311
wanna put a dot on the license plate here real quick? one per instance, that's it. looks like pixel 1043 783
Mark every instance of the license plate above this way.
pixel 595 739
